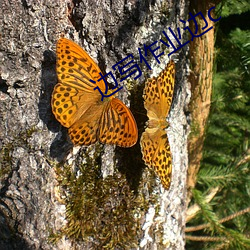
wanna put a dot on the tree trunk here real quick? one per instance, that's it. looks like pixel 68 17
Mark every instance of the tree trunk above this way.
pixel 201 59
pixel 54 195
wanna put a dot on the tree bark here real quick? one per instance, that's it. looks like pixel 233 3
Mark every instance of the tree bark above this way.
pixel 201 60
pixel 48 188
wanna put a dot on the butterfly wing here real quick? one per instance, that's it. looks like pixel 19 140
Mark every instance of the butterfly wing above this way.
pixel 156 153
pixel 74 93
pixel 158 93
pixel 77 106
pixel 85 130
pixel 75 67
pixel 117 125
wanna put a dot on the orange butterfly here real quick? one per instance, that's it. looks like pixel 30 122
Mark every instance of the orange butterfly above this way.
pixel 77 106
pixel 158 93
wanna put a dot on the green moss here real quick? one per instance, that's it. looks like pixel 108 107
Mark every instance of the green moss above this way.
pixel 19 140
pixel 105 212
pixel 28 133
pixel 165 9
pixel 195 129
pixel 5 160
pixel 131 84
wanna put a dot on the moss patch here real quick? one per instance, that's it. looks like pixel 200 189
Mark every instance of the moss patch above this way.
pixel 20 140
pixel 103 212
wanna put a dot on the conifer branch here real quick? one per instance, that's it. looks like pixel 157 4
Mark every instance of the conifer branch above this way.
pixel 230 217
pixel 205 238
pixel 245 159
pixel 194 209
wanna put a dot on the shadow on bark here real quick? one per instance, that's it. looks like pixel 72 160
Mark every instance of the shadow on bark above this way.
pixel 9 239
pixel 130 159
pixel 61 145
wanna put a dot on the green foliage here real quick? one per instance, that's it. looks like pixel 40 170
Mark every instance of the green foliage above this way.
pixel 230 7
pixel 218 176
pixel 207 211
pixel 226 153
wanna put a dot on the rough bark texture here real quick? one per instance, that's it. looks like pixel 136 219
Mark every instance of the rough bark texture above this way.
pixel 33 183
pixel 201 76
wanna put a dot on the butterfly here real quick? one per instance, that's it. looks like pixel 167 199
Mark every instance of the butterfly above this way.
pixel 157 95
pixel 78 107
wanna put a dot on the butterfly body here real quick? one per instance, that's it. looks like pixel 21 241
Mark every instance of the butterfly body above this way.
pixel 157 123
pixel 158 93
pixel 78 107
